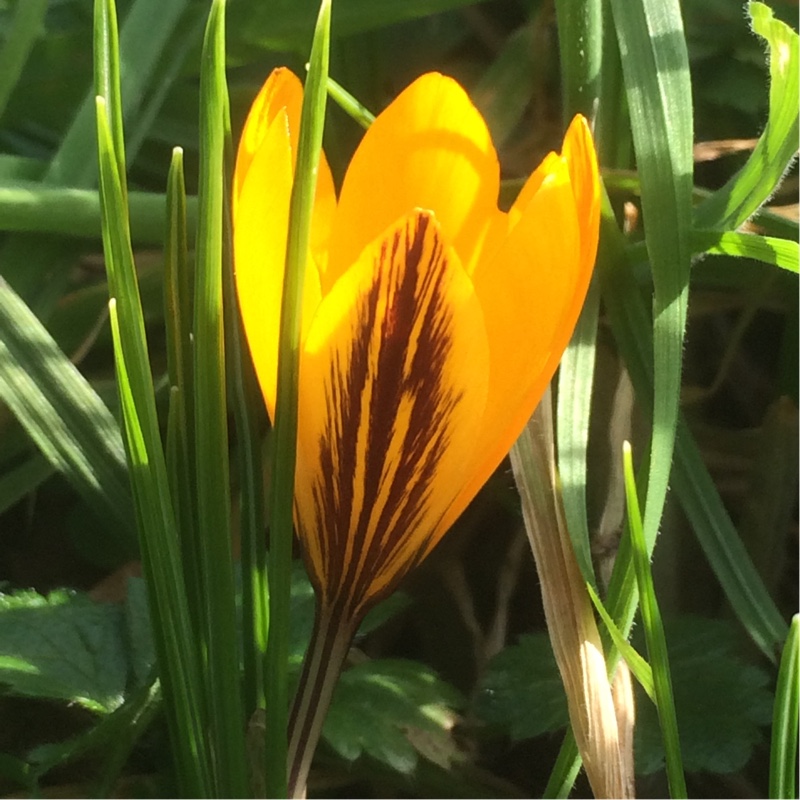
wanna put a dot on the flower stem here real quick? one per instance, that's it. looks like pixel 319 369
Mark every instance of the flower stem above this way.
pixel 330 643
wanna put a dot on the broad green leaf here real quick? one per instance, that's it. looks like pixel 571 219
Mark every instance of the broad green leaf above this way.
pixel 392 710
pixel 521 691
pixel 63 646
pixel 755 183
pixel 722 702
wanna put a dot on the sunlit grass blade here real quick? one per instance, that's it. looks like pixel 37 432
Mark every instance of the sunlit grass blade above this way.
pixel 175 647
pixel 655 66
pixel 63 415
pixel 654 635
pixel 350 105
pixel 783 253
pixel 638 666
pixel 212 474
pixel 283 460
pixel 755 183
pixel 19 39
pixel 783 755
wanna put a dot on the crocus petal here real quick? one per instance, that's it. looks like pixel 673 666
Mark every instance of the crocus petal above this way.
pixel 262 190
pixel 530 293
pixel 429 149
pixel 392 382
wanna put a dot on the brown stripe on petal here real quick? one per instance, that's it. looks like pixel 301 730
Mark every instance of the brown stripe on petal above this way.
pixel 388 422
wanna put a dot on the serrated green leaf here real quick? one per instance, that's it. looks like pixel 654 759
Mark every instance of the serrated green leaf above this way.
pixel 722 702
pixel 522 692
pixel 379 706
pixel 63 646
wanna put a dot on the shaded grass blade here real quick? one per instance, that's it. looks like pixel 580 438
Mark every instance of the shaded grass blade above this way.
pixel 19 39
pixel 212 472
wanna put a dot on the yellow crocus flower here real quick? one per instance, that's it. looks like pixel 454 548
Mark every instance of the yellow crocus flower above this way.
pixel 432 321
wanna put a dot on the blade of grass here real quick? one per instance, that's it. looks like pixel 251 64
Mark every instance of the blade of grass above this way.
pixel 350 105
pixel 654 635
pixel 180 421
pixel 691 481
pixel 783 754
pixel 175 646
pixel 655 66
pixel 20 37
pixel 29 207
pixel 783 253
pixel 282 467
pixel 753 185
pixel 63 415
pixel 212 472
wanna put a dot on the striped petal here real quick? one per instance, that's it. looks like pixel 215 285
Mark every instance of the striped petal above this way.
pixel 430 148
pixel 392 383
pixel 262 190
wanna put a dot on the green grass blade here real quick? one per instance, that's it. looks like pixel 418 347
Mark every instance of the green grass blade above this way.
pixel 580 46
pixel 639 667
pixel 19 39
pixel 783 253
pixel 783 754
pixel 175 646
pixel 21 480
pixel 691 481
pixel 755 183
pixel 212 471
pixel 573 412
pixel 654 635
pixel 180 422
pixel 281 493
pixel 63 415
pixel 350 105
pixel 30 207
pixel 655 66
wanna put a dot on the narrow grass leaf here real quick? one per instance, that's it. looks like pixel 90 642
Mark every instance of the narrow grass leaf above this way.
pixel 180 419
pixel 783 754
pixel 63 415
pixel 212 471
pixel 639 667
pixel 283 460
pixel 783 253
pixel 699 497
pixel 655 67
pixel 573 413
pixel 350 105
pixel 30 207
pixel 19 38
pixel 178 660
pixel 754 184
pixel 654 635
